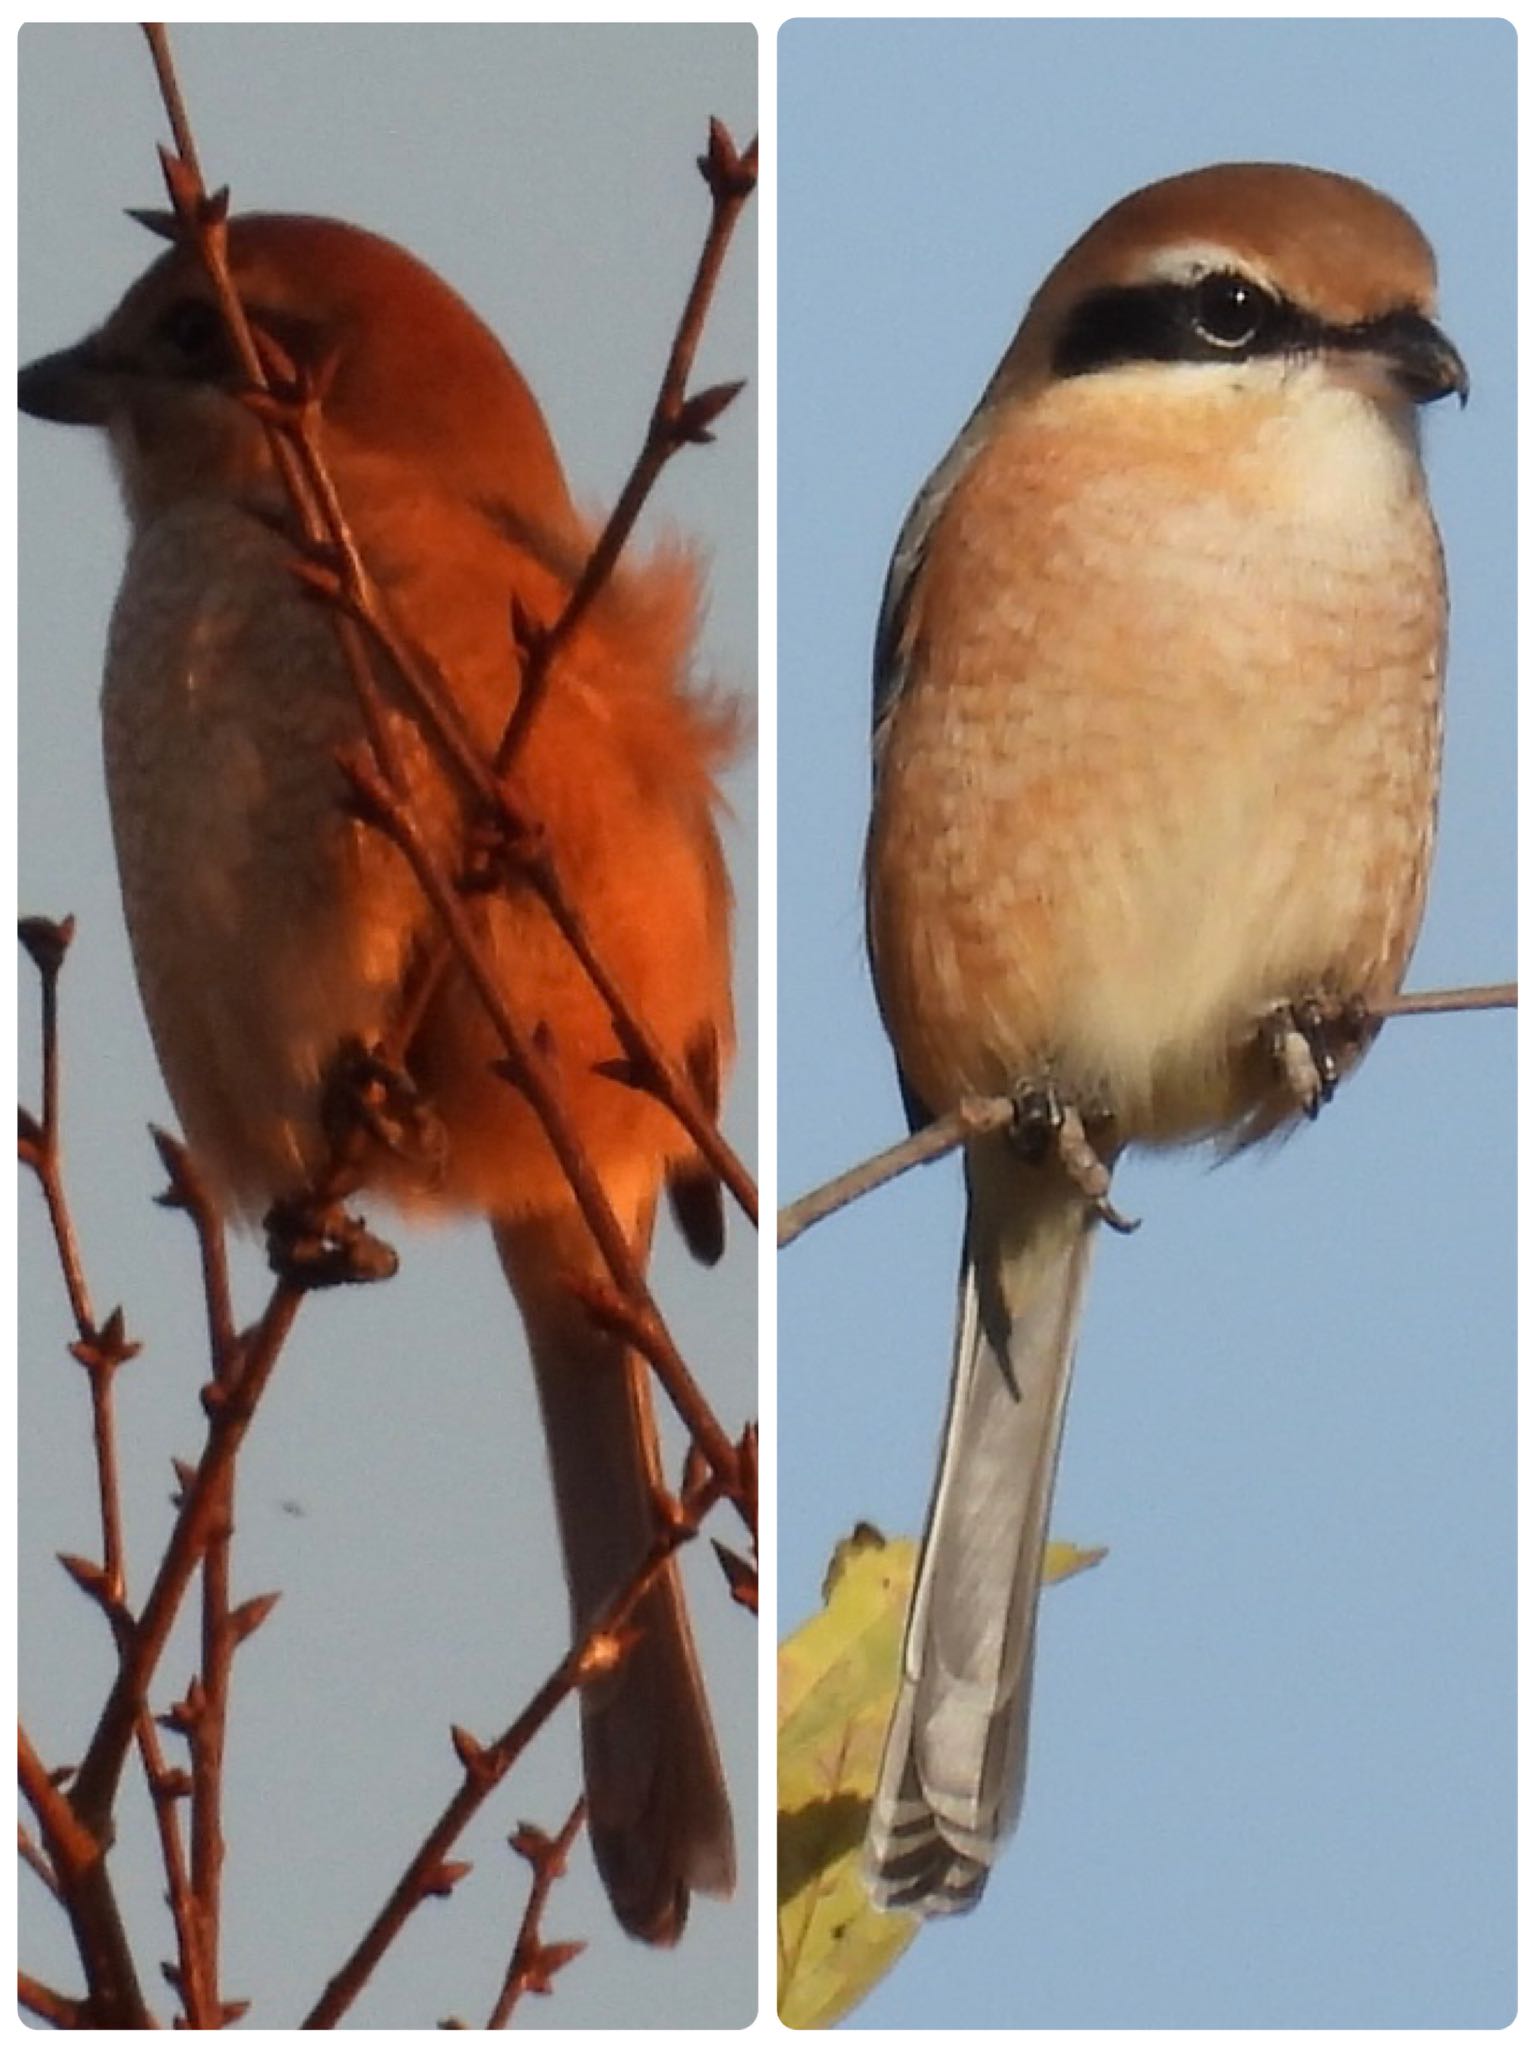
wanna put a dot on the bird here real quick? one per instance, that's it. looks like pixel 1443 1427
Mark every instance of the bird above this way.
pixel 1157 727
pixel 272 929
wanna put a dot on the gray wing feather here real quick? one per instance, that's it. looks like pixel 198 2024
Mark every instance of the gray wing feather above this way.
pixel 906 561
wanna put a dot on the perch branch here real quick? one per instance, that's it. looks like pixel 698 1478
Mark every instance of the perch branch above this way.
pixel 977 1117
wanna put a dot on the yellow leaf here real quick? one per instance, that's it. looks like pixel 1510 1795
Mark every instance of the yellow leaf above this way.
pixel 837 1682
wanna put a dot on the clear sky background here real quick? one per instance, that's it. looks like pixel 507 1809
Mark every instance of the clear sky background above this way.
pixel 393 1488
pixel 1273 1746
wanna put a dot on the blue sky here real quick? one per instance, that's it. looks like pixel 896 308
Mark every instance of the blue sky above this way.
pixel 1273 1746
pixel 394 1488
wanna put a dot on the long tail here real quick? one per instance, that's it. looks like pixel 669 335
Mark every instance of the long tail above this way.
pixel 952 1775
pixel 657 1809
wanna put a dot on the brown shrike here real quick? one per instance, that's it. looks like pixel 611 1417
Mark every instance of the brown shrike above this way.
pixel 271 930
pixel 1157 736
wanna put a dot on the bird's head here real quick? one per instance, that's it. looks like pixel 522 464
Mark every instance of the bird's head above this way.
pixel 404 369
pixel 1244 274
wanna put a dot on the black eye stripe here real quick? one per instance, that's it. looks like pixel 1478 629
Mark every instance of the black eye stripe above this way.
pixel 1224 318
pixel 1180 323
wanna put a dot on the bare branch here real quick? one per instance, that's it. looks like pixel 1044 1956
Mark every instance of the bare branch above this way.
pixel 47 943
pixel 170 93
pixel 535 1962
pixel 167 1789
pixel 35 1860
pixel 1445 1002
pixel 292 419
pixel 80 1867
pixel 932 1142
pixel 730 178
pixel 485 1765
pixel 202 1512
pixel 33 1996
pixel 533 1077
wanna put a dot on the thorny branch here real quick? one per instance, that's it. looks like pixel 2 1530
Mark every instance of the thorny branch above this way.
pixel 291 415
pixel 535 1079
pixel 536 1962
pixel 284 399
pixel 33 1996
pixel 201 1717
pixel 47 943
pixel 101 1352
pixel 82 1882
pixel 975 1118
pixel 113 1997
pixel 430 1872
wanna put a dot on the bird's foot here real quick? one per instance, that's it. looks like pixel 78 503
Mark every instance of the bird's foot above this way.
pixel 1045 1123
pixel 1310 1041
pixel 370 1099
pixel 313 1244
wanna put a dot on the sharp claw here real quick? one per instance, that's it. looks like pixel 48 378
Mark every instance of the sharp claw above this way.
pixel 1037 1120
pixel 1292 1054
pixel 1043 1123
pixel 1303 1041
pixel 1116 1219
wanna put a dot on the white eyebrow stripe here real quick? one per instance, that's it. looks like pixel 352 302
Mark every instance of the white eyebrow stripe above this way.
pixel 1184 262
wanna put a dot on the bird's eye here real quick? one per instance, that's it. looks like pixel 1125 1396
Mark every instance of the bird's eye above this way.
pixel 195 330
pixel 1229 311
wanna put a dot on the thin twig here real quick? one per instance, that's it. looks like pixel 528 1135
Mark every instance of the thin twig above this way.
pixel 659 1075
pixel 35 1860
pixel 676 420
pixel 933 1141
pixel 294 427
pixel 81 1884
pixel 337 570
pixel 1438 1002
pixel 186 1191
pixel 47 942
pixel 71 1847
pixel 34 1996
pixel 197 1897
pixel 536 1962
pixel 535 1080
pixel 429 1871
pixel 170 93
pixel 201 1509
pixel 167 1789
pixel 102 1355
pixel 206 1734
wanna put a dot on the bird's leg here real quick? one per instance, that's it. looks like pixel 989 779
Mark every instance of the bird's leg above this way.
pixel 1309 1041
pixel 368 1103
pixel 1044 1122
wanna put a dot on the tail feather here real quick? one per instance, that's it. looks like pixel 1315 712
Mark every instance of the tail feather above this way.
pixel 657 1809
pixel 952 1774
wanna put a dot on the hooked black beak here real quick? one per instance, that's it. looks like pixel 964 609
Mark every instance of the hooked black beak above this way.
pixel 1422 362
pixel 73 386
